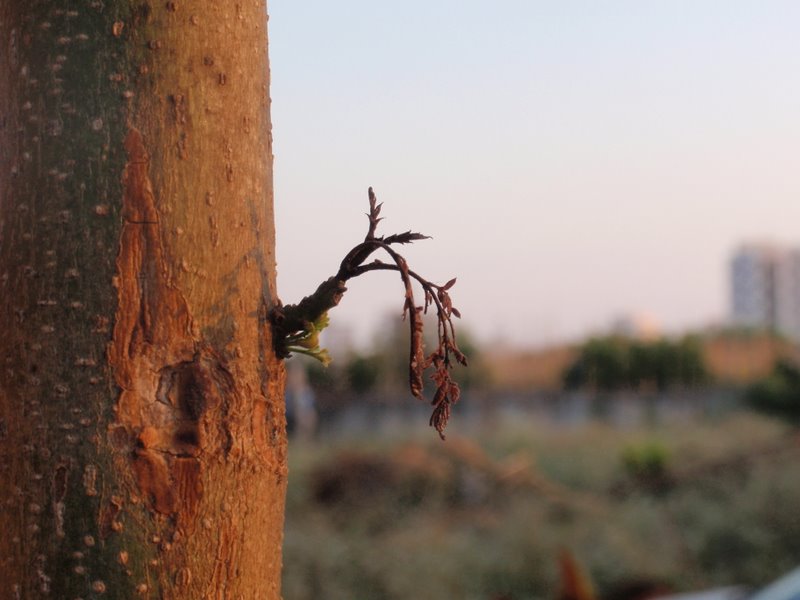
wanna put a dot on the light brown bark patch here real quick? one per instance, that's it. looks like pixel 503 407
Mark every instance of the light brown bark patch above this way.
pixel 174 389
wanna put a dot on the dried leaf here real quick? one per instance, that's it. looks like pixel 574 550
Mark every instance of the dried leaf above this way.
pixel 440 417
pixel 405 238
pixel 455 393
pixel 460 357
pixel 439 396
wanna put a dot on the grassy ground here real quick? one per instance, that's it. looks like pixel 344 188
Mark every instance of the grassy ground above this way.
pixel 485 516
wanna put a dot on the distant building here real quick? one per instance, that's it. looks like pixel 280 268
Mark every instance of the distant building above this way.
pixel 638 326
pixel 765 288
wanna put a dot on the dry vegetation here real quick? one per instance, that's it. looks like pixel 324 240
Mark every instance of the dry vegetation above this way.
pixel 486 518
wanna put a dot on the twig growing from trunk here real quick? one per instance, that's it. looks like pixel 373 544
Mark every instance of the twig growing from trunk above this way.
pixel 296 327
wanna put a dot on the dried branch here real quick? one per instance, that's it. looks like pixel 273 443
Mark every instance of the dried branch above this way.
pixel 296 327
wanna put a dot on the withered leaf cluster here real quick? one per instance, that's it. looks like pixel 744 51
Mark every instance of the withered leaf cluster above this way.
pixel 290 321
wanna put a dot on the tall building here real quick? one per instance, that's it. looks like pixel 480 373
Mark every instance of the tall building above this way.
pixel 765 288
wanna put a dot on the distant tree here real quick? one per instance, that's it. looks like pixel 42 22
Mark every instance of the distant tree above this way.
pixel 613 363
pixel 691 365
pixel 642 364
pixel 363 373
pixel 779 393
pixel 601 365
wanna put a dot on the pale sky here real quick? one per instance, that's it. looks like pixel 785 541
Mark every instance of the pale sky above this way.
pixel 573 161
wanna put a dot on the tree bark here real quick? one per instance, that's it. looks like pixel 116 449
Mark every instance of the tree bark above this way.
pixel 142 432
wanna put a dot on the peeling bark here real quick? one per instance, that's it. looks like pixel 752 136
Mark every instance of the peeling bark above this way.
pixel 142 434
pixel 165 391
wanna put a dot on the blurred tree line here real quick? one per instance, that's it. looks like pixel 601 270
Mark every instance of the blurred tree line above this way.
pixel 613 363
pixel 603 364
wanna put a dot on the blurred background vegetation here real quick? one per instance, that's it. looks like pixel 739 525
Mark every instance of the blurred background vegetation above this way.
pixel 668 463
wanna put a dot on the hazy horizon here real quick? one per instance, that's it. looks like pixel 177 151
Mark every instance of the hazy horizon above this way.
pixel 573 162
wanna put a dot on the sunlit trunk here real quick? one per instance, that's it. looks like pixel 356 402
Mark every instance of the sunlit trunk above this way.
pixel 142 438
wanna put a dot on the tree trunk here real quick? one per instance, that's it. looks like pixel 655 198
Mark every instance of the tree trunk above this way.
pixel 142 433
